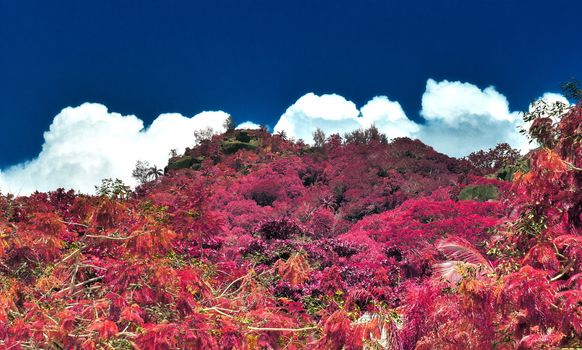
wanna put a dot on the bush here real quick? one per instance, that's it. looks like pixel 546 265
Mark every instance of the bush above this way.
pixel 279 229
pixel 243 136
pixel 480 193
pixel 233 146
pixel 181 163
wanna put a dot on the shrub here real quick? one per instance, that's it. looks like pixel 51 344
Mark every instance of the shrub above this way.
pixel 279 229
pixel 243 136
pixel 233 146
pixel 479 193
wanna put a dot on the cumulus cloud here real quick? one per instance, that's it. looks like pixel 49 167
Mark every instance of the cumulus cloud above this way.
pixel 552 97
pixel 459 118
pixel 462 118
pixel 248 125
pixel 453 102
pixel 388 116
pixel 331 113
pixel 334 114
pixel 88 143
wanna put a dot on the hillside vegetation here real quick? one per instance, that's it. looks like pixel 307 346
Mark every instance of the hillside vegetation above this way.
pixel 253 241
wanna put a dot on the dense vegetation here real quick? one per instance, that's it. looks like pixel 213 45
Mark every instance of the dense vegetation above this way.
pixel 252 241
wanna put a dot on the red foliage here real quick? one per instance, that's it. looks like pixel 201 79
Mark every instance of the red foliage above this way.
pixel 342 246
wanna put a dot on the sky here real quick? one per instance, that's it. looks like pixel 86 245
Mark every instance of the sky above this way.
pixel 88 87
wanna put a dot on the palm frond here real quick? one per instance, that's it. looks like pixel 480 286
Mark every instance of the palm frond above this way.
pixel 460 250
pixel 450 271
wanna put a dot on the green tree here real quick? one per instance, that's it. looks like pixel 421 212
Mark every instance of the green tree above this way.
pixel 154 172
pixel 114 189
pixel 140 172
pixel 229 124
pixel 318 138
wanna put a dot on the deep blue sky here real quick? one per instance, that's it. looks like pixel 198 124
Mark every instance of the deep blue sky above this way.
pixel 255 58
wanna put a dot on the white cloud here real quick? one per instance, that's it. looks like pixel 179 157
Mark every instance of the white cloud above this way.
pixel 248 125
pixel 334 114
pixel 461 118
pixel 87 143
pixel 388 116
pixel 331 113
pixel 552 97
pixel 453 102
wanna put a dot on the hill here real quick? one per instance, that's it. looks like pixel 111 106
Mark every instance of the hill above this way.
pixel 253 241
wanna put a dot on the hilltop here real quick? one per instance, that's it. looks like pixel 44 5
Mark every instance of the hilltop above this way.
pixel 253 241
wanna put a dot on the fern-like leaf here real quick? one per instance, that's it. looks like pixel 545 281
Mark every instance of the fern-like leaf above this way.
pixel 464 260
pixel 461 250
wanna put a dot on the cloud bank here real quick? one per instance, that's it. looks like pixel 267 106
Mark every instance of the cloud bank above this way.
pixel 459 118
pixel 87 143
pixel 334 114
pixel 248 125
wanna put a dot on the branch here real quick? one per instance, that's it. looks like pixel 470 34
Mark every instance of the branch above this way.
pixel 75 252
pixel 81 284
pixel 214 308
pixel 283 329
pixel 230 285
pixel 572 165
pixel 74 223
pixel 115 238
pixel 566 269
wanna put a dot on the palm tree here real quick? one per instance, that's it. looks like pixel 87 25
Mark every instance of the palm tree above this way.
pixel 154 172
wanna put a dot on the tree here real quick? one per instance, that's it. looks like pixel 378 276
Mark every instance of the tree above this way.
pixel 114 189
pixel 572 90
pixel 365 136
pixel 203 135
pixel 544 118
pixel 318 138
pixel 155 172
pixel 141 172
pixel 229 123
pixel 487 162
pixel 144 172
